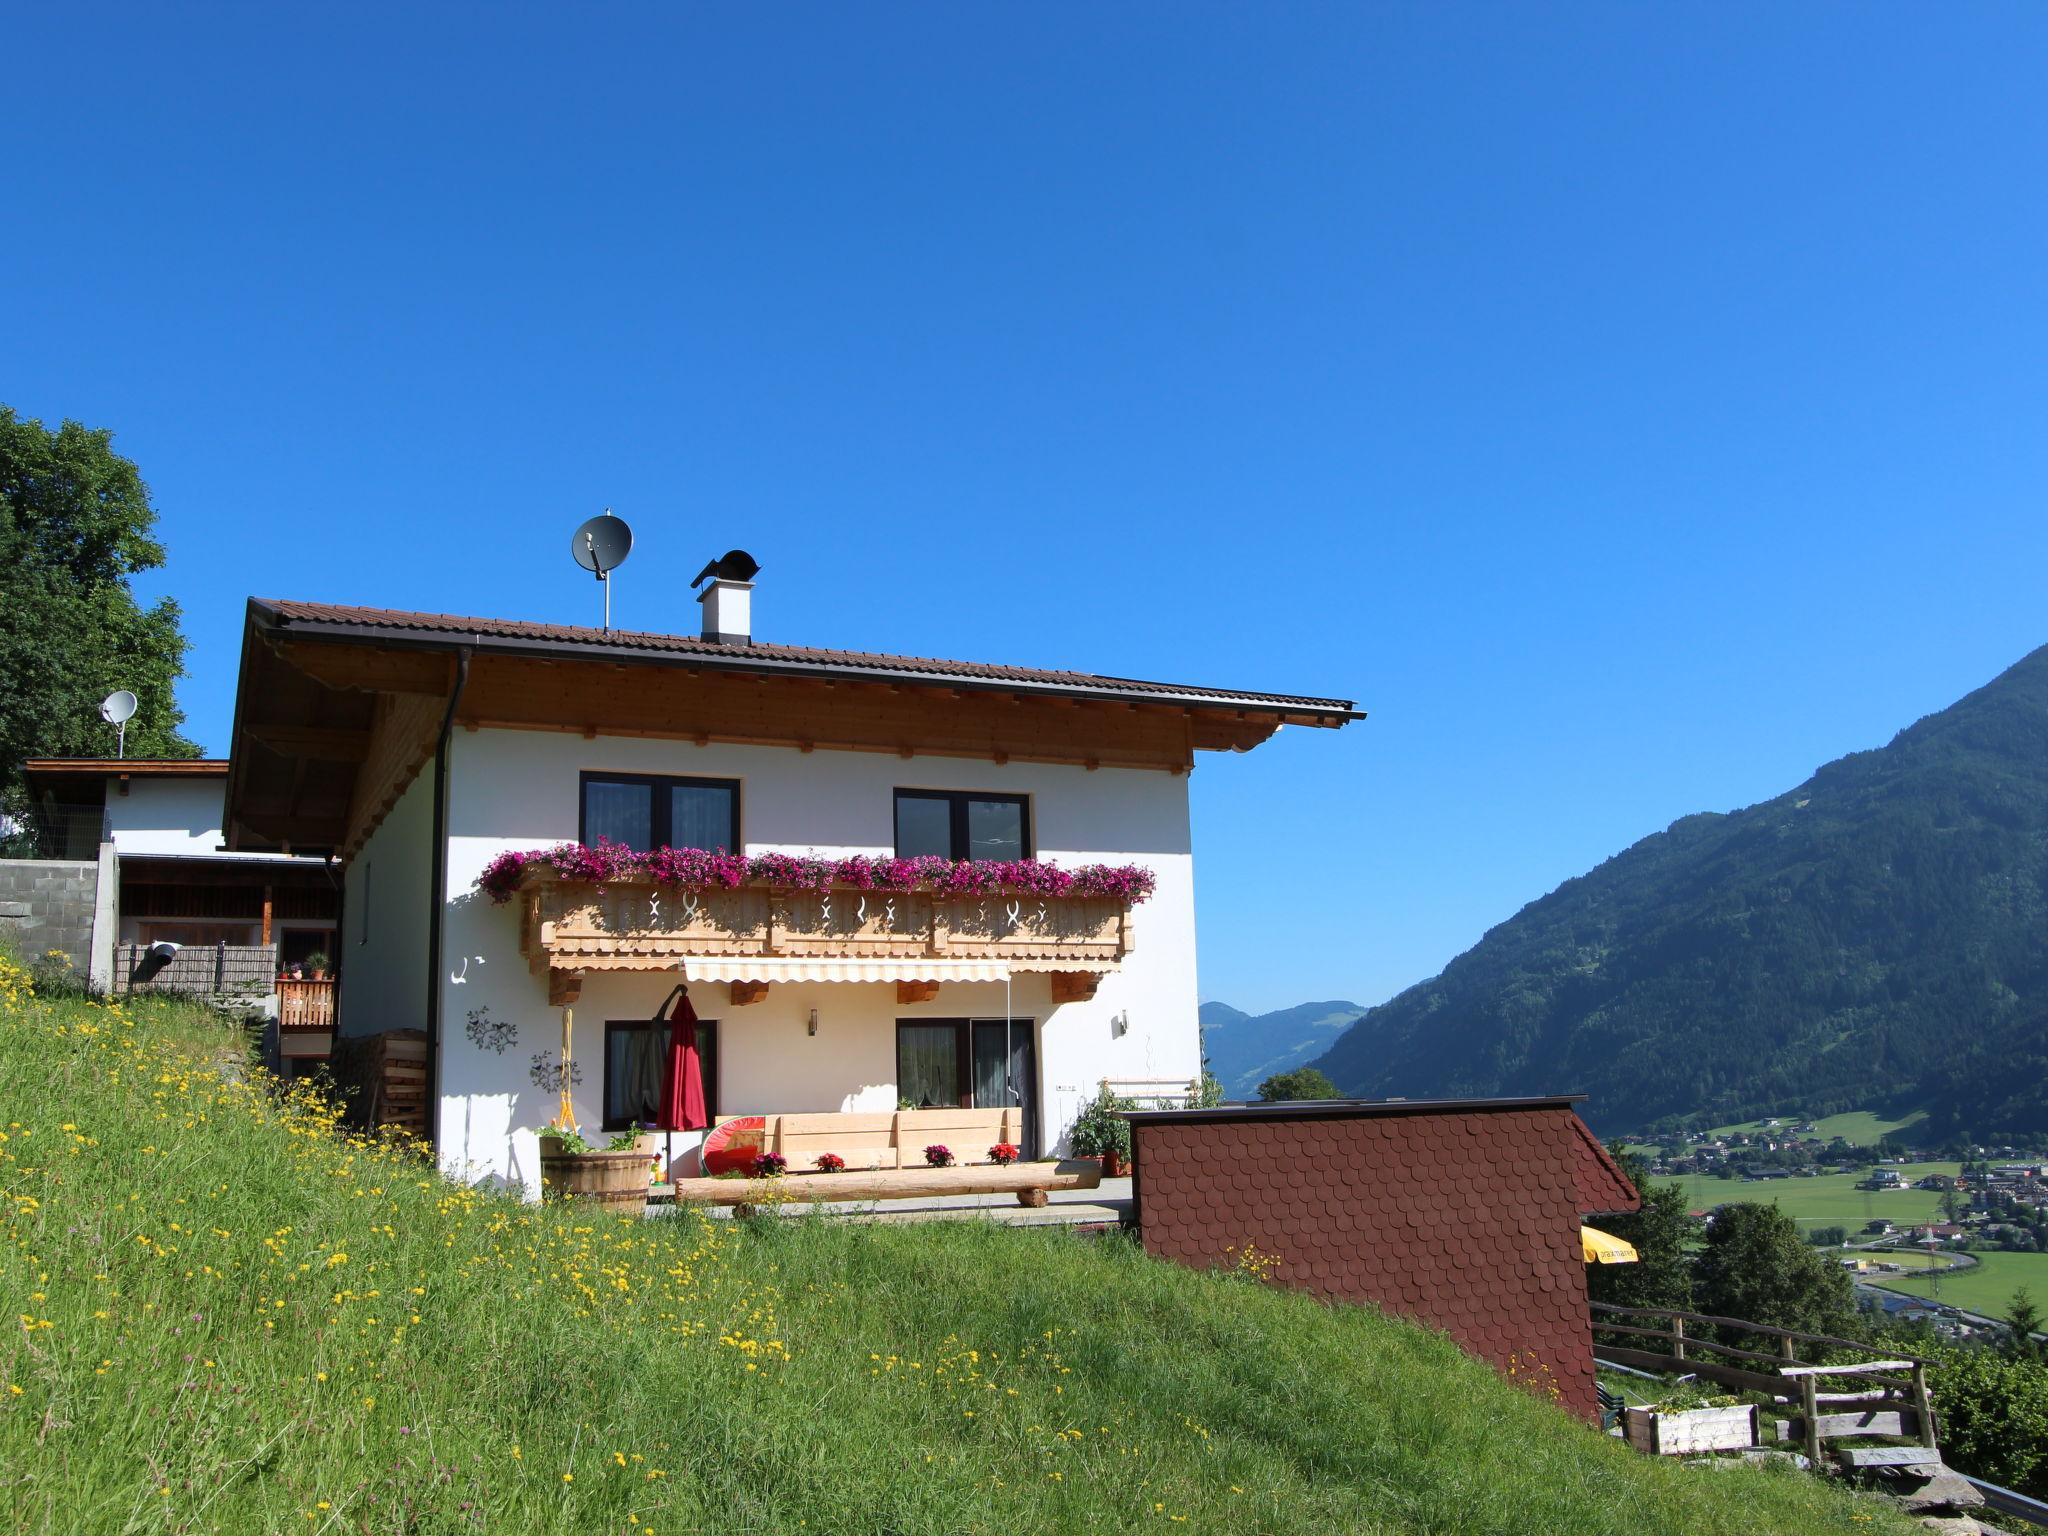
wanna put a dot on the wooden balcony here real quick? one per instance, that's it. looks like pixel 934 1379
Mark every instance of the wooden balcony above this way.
pixel 571 927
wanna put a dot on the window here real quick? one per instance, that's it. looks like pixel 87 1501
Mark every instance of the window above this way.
pixel 634 1067
pixel 646 812
pixel 962 824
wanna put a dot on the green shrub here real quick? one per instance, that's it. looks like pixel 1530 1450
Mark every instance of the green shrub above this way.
pixel 1993 1414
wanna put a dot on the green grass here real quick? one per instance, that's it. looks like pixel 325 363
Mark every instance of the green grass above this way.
pixel 1985 1287
pixel 236 1320
pixel 1828 1199
pixel 1860 1128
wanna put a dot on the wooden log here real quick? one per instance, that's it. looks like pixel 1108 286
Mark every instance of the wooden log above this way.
pixel 1794 1369
pixel 1888 1456
pixel 894 1183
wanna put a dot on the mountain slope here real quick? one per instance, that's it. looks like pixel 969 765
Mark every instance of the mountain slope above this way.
pixel 1878 935
pixel 1243 1050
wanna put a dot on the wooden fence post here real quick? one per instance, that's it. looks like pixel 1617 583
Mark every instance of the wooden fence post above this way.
pixel 1678 1338
pixel 1923 1402
pixel 220 964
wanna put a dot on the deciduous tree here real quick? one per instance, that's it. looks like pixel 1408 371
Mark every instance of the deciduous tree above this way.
pixel 1301 1083
pixel 1755 1266
pixel 75 525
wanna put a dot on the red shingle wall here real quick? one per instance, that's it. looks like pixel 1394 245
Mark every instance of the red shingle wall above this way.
pixel 1465 1220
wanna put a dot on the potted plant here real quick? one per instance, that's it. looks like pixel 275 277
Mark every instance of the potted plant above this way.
pixel 1003 1153
pixel 316 963
pixel 1100 1130
pixel 831 1162
pixel 571 1168
pixel 939 1156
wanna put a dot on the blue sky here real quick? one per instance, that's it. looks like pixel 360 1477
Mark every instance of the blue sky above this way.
pixel 1632 407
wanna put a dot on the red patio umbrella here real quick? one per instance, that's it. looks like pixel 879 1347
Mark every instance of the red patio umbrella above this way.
pixel 682 1084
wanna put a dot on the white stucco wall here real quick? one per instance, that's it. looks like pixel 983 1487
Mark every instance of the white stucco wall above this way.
pixel 519 789
pixel 382 949
pixel 176 815
pixel 170 815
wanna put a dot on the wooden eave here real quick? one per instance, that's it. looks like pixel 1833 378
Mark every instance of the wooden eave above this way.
pixel 333 721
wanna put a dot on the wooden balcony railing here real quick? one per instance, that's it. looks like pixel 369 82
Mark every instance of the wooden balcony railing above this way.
pixel 624 926
pixel 305 1004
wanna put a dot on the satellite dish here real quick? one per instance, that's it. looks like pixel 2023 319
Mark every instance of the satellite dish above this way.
pixel 600 546
pixel 733 565
pixel 117 709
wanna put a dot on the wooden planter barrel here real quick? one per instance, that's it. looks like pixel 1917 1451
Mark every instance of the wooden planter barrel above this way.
pixel 615 1180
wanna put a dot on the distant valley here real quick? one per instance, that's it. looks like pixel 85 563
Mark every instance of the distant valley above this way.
pixel 1244 1049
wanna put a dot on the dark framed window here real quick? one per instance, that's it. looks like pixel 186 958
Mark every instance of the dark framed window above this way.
pixel 634 1067
pixel 962 824
pixel 647 811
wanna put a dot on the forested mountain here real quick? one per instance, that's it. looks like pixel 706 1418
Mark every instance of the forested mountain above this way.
pixel 1877 936
pixel 1243 1050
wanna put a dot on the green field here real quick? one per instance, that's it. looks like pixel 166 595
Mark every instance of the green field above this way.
pixel 1860 1128
pixel 234 1318
pixel 1986 1287
pixel 1829 1200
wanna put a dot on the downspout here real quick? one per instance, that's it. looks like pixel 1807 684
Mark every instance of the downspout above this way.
pixel 437 891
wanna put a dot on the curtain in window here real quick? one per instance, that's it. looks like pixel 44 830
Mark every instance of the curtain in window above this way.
pixel 620 813
pixel 701 816
pixel 928 1061
pixel 633 1075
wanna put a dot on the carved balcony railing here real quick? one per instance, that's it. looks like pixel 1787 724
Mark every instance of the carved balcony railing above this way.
pixel 577 926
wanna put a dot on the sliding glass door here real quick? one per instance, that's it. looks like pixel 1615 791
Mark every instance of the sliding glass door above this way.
pixel 971 1063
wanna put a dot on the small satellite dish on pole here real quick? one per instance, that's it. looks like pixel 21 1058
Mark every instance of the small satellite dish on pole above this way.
pixel 117 709
pixel 600 546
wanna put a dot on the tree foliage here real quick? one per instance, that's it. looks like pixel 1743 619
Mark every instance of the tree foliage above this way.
pixel 1301 1083
pixel 1754 1265
pixel 75 525
pixel 1662 1235
pixel 1877 936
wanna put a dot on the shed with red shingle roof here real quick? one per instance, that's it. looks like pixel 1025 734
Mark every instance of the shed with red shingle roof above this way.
pixel 1461 1214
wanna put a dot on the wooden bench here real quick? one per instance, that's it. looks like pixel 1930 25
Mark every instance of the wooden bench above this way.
pixel 884 1155
pixel 888 1138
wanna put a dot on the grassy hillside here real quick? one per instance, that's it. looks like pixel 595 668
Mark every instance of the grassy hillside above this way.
pixel 233 1319
pixel 1876 938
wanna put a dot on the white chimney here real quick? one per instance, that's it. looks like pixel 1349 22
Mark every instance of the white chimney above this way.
pixel 728 611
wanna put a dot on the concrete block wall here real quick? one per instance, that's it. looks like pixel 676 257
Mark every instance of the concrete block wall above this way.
pixel 50 904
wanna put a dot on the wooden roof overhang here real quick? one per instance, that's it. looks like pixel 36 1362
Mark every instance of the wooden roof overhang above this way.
pixel 334 716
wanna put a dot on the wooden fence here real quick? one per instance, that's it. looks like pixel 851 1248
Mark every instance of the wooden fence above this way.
pixel 1886 1404
pixel 221 970
pixel 305 1004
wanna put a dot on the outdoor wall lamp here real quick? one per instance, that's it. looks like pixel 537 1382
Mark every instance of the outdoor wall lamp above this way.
pixel 814 1021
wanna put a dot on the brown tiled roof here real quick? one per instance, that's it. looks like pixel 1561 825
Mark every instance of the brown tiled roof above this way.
pixel 1462 1216
pixel 1604 1190
pixel 520 634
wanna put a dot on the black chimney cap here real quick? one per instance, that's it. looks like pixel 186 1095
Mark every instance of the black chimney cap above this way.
pixel 733 565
